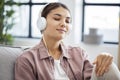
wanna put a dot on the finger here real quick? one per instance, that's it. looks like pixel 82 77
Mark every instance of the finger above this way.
pixel 99 62
pixel 100 70
pixel 107 61
pixel 94 62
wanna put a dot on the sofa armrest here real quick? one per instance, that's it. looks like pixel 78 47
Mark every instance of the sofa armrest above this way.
pixel 8 55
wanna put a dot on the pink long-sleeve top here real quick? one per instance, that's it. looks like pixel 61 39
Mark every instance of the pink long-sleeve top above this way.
pixel 37 64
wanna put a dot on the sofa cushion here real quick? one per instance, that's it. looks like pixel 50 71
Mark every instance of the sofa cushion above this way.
pixel 8 56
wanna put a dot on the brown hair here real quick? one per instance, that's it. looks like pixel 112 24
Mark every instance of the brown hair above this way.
pixel 49 7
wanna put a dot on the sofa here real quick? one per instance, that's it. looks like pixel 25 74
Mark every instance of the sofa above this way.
pixel 8 56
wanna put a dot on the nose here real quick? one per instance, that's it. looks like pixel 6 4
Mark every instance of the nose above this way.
pixel 63 23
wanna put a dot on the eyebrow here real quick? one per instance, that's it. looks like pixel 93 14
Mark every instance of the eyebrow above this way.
pixel 61 15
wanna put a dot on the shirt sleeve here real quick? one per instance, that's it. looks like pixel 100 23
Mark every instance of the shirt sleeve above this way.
pixel 24 69
pixel 88 68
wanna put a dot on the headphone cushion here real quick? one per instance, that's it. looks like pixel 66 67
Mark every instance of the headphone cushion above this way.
pixel 41 23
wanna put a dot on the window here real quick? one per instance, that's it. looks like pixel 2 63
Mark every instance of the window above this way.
pixel 103 15
pixel 26 16
pixel 103 1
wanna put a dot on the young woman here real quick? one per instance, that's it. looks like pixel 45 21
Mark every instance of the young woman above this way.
pixel 51 59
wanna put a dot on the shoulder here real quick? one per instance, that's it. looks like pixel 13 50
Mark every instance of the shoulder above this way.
pixel 76 50
pixel 28 54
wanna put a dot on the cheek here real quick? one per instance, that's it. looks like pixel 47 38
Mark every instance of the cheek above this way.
pixel 52 25
pixel 51 22
pixel 68 28
pixel 50 28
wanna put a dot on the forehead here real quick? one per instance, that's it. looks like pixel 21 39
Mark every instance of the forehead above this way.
pixel 60 10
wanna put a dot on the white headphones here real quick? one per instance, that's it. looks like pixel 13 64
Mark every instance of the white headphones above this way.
pixel 41 21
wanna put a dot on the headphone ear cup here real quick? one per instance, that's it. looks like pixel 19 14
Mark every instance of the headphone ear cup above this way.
pixel 41 23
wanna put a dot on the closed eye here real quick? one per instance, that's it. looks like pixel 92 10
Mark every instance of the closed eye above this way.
pixel 68 21
pixel 57 19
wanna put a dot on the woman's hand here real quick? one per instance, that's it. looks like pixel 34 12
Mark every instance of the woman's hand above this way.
pixel 102 62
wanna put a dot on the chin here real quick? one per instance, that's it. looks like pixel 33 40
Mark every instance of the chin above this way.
pixel 60 37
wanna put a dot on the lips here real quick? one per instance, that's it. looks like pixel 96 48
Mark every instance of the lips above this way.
pixel 61 30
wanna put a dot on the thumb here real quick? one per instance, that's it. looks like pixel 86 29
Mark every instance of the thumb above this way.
pixel 95 61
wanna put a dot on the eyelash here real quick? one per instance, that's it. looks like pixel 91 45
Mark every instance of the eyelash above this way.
pixel 67 21
pixel 57 19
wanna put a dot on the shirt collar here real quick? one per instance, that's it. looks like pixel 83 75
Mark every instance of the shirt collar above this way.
pixel 65 51
pixel 44 52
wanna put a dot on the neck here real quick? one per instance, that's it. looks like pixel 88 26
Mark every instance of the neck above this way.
pixel 51 44
pixel 53 47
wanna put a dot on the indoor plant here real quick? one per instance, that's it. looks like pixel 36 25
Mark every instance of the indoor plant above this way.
pixel 6 20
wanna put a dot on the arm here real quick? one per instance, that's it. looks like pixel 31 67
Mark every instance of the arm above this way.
pixel 87 68
pixel 24 70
